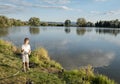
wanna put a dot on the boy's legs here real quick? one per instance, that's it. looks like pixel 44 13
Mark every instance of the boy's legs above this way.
pixel 27 62
pixel 23 59
pixel 24 68
pixel 27 65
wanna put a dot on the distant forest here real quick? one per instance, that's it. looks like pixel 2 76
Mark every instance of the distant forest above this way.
pixel 34 21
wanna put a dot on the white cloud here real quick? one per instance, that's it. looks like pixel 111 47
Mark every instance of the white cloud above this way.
pixel 5 6
pixel 113 12
pixel 56 1
pixel 9 8
pixel 52 7
pixel 100 0
pixel 94 12
pixel 12 6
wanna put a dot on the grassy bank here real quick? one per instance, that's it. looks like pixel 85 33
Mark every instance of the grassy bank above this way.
pixel 43 69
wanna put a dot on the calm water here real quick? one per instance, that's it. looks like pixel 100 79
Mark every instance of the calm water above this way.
pixel 74 47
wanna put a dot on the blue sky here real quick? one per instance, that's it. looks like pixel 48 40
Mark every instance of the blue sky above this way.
pixel 60 10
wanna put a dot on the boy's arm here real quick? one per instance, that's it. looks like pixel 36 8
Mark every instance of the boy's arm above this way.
pixel 29 50
pixel 22 49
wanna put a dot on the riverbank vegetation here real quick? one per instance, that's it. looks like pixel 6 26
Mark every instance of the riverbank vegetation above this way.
pixel 43 70
pixel 80 22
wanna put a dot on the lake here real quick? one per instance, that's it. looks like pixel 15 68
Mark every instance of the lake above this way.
pixel 73 47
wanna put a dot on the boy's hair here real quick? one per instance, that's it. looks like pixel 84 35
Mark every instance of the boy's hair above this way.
pixel 26 39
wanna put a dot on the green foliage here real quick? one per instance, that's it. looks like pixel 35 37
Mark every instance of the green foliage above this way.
pixel 7 48
pixel 6 22
pixel 81 22
pixel 67 23
pixel 44 24
pixel 82 76
pixel 89 24
pixel 109 24
pixel 45 78
pixel 101 79
pixel 40 57
pixel 34 21
pixel 9 63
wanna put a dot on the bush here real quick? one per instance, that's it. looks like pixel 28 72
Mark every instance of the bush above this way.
pixel 82 76
pixel 40 57
pixel 101 79
pixel 7 48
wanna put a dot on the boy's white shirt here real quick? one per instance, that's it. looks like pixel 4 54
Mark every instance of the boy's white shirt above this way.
pixel 26 48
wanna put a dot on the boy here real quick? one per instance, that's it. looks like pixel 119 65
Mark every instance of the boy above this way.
pixel 26 50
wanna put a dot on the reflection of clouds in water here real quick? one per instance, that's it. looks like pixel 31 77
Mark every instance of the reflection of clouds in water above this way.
pixel 106 38
pixel 64 42
pixel 58 43
pixel 77 58
pixel 96 58
pixel 113 40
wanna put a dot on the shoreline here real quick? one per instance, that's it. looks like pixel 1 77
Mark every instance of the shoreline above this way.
pixel 44 69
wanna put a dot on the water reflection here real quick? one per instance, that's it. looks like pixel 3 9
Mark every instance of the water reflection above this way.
pixel 4 32
pixel 34 30
pixel 96 58
pixel 80 31
pixel 67 30
pixel 114 32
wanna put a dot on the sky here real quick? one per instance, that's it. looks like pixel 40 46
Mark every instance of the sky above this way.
pixel 60 10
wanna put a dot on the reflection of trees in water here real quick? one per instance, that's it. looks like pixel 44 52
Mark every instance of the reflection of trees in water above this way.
pixel 108 31
pixel 89 30
pixel 80 31
pixel 3 32
pixel 34 30
pixel 67 30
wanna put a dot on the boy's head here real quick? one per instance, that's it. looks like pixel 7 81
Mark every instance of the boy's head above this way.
pixel 26 41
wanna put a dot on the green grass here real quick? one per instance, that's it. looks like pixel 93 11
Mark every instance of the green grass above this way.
pixel 43 71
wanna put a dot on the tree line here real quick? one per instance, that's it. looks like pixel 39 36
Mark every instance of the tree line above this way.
pixel 9 22
pixel 81 22
pixel 34 21
pixel 110 24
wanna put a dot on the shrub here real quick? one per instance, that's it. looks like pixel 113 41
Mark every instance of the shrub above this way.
pixel 40 57
pixel 82 76
pixel 101 79
pixel 7 48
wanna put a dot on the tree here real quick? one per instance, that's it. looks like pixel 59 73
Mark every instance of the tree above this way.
pixel 44 24
pixel 4 21
pixel 81 22
pixel 34 21
pixel 89 24
pixel 109 24
pixel 67 23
